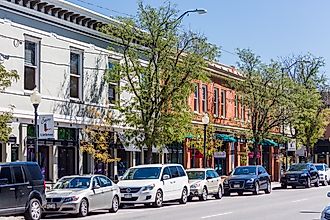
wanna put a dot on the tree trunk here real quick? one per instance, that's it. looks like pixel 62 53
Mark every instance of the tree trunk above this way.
pixel 149 155
pixel 308 151
pixel 255 152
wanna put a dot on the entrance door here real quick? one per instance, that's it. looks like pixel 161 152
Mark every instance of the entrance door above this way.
pixel 220 166
pixel 66 161
pixel 44 161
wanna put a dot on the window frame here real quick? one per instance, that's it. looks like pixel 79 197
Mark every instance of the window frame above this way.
pixel 80 73
pixel 11 175
pixel 36 67
pixel 223 103
pixel 242 109
pixel 216 102
pixel 196 98
pixel 204 99
pixel 174 167
pixel 236 107
pixel 113 84
pixel 23 174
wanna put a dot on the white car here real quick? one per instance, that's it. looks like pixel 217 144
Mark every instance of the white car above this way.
pixel 324 173
pixel 204 182
pixel 325 215
pixel 154 184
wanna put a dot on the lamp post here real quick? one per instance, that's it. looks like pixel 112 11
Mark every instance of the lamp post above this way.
pixel 199 11
pixel 35 100
pixel 205 122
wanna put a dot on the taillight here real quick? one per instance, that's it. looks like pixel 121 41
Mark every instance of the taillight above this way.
pixel 44 185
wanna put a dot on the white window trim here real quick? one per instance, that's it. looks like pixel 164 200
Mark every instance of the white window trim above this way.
pixel 216 102
pixel 37 41
pixel 242 109
pixel 196 89
pixel 204 101
pixel 80 77
pixel 223 104
pixel 236 107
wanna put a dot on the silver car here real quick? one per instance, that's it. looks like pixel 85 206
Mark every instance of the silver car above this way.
pixel 83 194
pixel 204 182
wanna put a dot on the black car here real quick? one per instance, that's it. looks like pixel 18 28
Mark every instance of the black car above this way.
pixel 22 190
pixel 248 179
pixel 300 174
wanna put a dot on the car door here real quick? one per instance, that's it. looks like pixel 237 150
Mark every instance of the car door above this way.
pixel 262 176
pixel 183 179
pixel 7 190
pixel 107 191
pixel 327 172
pixel 313 172
pixel 210 181
pixel 168 187
pixel 22 187
pixel 96 197
pixel 217 179
pixel 175 181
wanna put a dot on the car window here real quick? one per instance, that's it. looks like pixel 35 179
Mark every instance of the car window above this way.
pixel 104 181
pixel 18 173
pixel 35 173
pixel 96 182
pixel 166 171
pixel 174 172
pixel 5 174
pixel 209 174
pixel 319 167
pixel 181 171
pixel 216 175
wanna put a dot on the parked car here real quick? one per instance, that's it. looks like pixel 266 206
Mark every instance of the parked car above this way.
pixel 300 174
pixel 83 194
pixel 204 182
pixel 247 179
pixel 325 215
pixel 22 190
pixel 324 173
pixel 154 184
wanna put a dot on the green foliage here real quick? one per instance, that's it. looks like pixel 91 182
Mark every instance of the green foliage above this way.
pixel 160 63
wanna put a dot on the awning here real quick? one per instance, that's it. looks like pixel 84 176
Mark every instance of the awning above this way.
pixel 127 144
pixel 190 136
pixel 225 137
pixel 267 143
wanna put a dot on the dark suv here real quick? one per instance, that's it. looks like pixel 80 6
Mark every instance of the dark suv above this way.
pixel 301 174
pixel 22 190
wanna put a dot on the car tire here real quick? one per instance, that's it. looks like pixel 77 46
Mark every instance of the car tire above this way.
pixel 83 208
pixel 184 196
pixel 115 205
pixel 284 186
pixel 317 183
pixel 268 190
pixel 203 197
pixel 158 199
pixel 219 194
pixel 325 183
pixel 256 188
pixel 34 210
pixel 308 183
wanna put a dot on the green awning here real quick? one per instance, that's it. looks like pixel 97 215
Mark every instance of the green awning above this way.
pixel 267 143
pixel 225 137
pixel 190 136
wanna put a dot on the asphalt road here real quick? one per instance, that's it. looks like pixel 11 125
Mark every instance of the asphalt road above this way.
pixel 290 204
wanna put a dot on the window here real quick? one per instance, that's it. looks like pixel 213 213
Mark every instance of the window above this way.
pixel 104 182
pixel 209 174
pixel 166 171
pixel 18 173
pixel 35 173
pixel 31 63
pixel 181 171
pixel 223 103
pixel 204 98
pixel 76 74
pixel 216 102
pixel 242 110
pixel 113 85
pixel 5 175
pixel 196 99
pixel 174 172
pixel 112 93
pixel 215 174
pixel 236 107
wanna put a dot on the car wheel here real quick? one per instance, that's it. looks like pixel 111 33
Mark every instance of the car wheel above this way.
pixel 325 183
pixel 256 188
pixel 34 210
pixel 284 186
pixel 268 190
pixel 308 183
pixel 158 199
pixel 317 183
pixel 184 196
pixel 83 208
pixel 219 194
pixel 240 193
pixel 203 197
pixel 115 205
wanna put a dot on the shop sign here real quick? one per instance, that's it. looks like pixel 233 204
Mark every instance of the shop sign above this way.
pixel 46 126
pixel 220 154
pixel 292 145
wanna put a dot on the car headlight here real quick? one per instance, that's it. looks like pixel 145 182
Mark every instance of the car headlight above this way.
pixel 196 185
pixel 225 182
pixel 250 180
pixel 70 199
pixel 149 187
pixel 303 175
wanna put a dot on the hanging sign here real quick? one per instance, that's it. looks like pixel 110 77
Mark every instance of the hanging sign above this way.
pixel 220 154
pixel 46 126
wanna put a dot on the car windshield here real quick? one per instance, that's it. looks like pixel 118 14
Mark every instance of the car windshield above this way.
pixel 196 175
pixel 245 171
pixel 298 167
pixel 142 173
pixel 73 183
pixel 319 167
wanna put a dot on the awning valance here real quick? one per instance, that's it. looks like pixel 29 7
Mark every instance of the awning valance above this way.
pixel 267 143
pixel 225 137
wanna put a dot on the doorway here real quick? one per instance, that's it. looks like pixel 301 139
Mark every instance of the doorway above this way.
pixel 66 162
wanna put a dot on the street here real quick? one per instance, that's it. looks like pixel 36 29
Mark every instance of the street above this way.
pixel 302 204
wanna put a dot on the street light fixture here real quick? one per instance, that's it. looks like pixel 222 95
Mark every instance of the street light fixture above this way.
pixel 200 11
pixel 35 100
pixel 205 122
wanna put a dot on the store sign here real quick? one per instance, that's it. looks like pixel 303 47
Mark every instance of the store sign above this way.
pixel 46 126
pixel 221 154
pixel 292 145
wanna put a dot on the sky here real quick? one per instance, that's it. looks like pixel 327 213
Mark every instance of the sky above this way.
pixel 271 29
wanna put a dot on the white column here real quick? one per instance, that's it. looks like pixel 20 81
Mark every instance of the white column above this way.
pixel 133 158
pixel 22 143
pixel 8 152
pixel 81 160
pixel 315 158
pixel 142 156
pixel 327 158
pixel 55 162
pixel 115 164
pixel 3 152
pixel 163 157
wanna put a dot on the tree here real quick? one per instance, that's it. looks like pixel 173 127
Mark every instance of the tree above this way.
pixel 268 94
pixel 6 79
pixel 160 64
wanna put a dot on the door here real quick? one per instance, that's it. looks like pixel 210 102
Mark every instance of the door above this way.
pixel 22 187
pixel 7 190
pixel 313 173
pixel 211 181
pixel 66 165
pixel 168 187
pixel 177 186
pixel 217 180
pixel 262 176
pixel 96 197
pixel 107 191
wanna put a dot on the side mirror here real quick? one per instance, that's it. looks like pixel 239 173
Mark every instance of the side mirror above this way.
pixel 3 181
pixel 120 178
pixel 259 172
pixel 328 194
pixel 208 177
pixel 96 187
pixel 166 177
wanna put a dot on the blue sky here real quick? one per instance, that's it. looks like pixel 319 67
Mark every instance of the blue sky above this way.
pixel 272 28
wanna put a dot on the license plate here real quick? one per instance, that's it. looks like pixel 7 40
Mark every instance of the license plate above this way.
pixel 292 179
pixel 127 196
pixel 51 206
pixel 237 186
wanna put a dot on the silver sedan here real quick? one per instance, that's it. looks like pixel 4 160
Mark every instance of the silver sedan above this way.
pixel 83 194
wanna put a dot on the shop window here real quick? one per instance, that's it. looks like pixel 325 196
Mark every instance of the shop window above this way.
pixel 14 152
pixel 67 133
pixel 31 131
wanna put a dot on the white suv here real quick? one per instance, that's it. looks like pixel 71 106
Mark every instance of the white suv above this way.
pixel 154 184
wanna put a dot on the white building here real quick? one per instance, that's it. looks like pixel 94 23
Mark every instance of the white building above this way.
pixel 54 45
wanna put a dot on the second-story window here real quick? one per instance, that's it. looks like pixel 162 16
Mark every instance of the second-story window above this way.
pixel 31 63
pixel 223 103
pixel 242 109
pixel 204 98
pixel 196 98
pixel 76 74
pixel 236 106
pixel 216 102
pixel 113 85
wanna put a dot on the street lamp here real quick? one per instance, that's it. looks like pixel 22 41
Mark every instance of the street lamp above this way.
pixel 205 122
pixel 200 11
pixel 35 100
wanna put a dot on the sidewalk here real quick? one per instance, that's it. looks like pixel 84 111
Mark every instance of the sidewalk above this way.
pixel 276 185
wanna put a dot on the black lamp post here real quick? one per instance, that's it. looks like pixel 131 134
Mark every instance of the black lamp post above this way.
pixel 35 100
pixel 205 122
